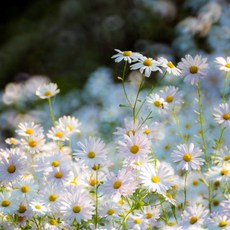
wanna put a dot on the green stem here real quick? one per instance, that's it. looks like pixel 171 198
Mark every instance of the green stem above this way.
pixel 136 99
pixel 185 189
pixel 51 111
pixel 201 120
pixel 225 87
pixel 96 201
pixel 178 125
pixel 210 196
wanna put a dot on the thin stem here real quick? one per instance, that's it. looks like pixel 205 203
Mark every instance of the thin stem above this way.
pixel 123 84
pixel 178 125
pixel 210 196
pixel 225 87
pixel 96 200
pixel 201 120
pixel 135 103
pixel 51 110
pixel 185 189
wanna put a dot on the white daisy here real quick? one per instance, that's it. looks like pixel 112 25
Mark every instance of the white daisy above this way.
pixel 38 207
pixel 193 69
pixel 169 66
pixel 12 141
pixel 128 56
pixel 157 180
pixel 134 147
pixel 154 131
pixel 58 133
pixel 47 90
pixel 92 152
pixel 8 203
pixel 29 128
pixel 146 66
pixel 193 216
pixel 218 221
pixel 221 115
pixel 152 214
pixel 137 221
pixel 187 157
pixel 157 103
pixel 76 205
pixel 223 63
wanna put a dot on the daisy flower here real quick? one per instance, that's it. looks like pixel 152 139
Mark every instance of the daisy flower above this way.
pixel 222 155
pixel 153 131
pixel 187 157
pixel 47 90
pixel 128 56
pixel 109 209
pixel 137 221
pixel 134 147
pixel 193 217
pixel 151 214
pixel 76 205
pixel 223 63
pixel 169 66
pixel 12 165
pixel 172 96
pixel 92 152
pixel 8 204
pixel 38 207
pixel 156 102
pixel 146 66
pixel 193 69
pixel 70 124
pixel 218 221
pixel 156 180
pixel 12 141
pixel 57 133
pixel 24 210
pixel 27 129
pixel 221 115
pixel 124 183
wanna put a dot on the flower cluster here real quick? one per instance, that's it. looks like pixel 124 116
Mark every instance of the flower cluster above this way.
pixel 167 165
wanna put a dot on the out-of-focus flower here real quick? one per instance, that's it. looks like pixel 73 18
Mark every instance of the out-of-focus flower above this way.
pixel 47 90
pixel 221 114
pixel 128 56
pixel 223 63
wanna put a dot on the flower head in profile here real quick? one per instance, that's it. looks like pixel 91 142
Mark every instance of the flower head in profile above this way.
pixel 193 69
pixel 169 66
pixel 221 115
pixel 47 90
pixel 224 64
pixel 128 56
pixel 188 157
pixel 146 66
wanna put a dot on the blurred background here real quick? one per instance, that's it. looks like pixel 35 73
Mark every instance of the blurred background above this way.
pixel 68 39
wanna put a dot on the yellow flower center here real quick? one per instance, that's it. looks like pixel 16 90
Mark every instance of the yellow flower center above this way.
pixel 137 221
pixel 170 65
pixel 117 184
pixel 216 183
pixel 147 62
pixel 187 126
pixel 52 197
pixel 29 131
pixel 148 215
pixel 11 169
pixel 193 220
pixel 195 183
pixel 224 172
pixel 13 141
pixel 223 223
pixel 169 99
pixel 187 157
pixel 69 128
pixel 110 211
pixel 55 163
pixel 53 222
pixel 157 103
pixel 5 203
pixel 127 53
pixel 48 93
pixel 147 132
pixel 193 69
pixel 226 116
pixel 91 155
pixel 155 179
pixel 37 206
pixel 76 209
pixel 134 149
pixel 96 167
pixel 169 195
pixel 25 189
pixel 22 208
pixel 32 143
pixel 129 132
pixel 227 65
pixel 121 202
pixel 59 134
pixel 93 182
pixel 226 158
pixel 58 175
